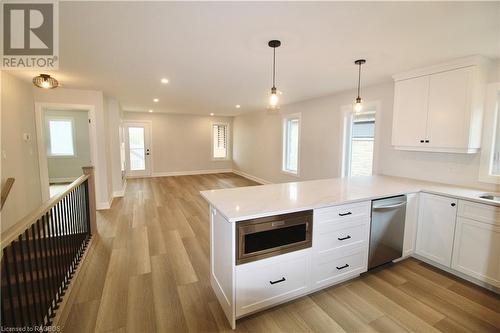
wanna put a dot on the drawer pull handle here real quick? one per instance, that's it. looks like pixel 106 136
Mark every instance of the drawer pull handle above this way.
pixel 278 281
pixel 344 238
pixel 342 267
pixel 345 214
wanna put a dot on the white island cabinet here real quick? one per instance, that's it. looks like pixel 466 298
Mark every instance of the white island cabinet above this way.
pixel 339 252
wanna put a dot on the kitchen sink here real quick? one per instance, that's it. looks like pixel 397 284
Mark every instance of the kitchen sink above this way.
pixel 489 196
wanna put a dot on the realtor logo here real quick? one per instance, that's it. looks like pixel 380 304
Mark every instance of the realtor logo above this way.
pixel 30 36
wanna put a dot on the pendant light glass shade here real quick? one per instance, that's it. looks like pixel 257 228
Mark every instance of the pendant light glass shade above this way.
pixel 273 98
pixel 358 103
pixel 45 81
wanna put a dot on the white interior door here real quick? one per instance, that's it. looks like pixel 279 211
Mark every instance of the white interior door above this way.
pixel 138 149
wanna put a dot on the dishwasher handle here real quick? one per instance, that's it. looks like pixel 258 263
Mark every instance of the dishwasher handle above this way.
pixel 389 206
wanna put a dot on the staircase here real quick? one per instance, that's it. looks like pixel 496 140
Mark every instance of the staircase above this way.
pixel 41 253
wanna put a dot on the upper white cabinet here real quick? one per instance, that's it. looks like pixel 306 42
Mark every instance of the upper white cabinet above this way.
pixel 436 228
pixel 440 108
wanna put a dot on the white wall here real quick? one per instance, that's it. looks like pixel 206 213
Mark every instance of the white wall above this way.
pixel 66 168
pixel 115 143
pixel 182 143
pixel 95 100
pixel 19 158
pixel 257 144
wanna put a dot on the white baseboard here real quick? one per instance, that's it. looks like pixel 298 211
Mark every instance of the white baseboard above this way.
pixel 251 177
pixel 62 180
pixel 189 173
pixel 103 205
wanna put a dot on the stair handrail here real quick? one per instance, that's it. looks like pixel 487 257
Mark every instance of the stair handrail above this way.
pixel 6 190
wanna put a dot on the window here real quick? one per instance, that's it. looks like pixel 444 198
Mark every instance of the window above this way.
pixel 359 144
pixel 219 141
pixel 61 137
pixel 291 137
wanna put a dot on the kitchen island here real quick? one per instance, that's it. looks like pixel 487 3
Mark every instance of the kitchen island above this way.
pixel 338 251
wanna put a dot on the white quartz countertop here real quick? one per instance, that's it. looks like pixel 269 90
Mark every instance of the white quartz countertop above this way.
pixel 243 203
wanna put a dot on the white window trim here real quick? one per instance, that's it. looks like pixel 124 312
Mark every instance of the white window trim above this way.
pixel 228 143
pixel 283 143
pixel 491 117
pixel 49 137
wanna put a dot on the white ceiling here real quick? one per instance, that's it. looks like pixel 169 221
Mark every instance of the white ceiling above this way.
pixel 215 54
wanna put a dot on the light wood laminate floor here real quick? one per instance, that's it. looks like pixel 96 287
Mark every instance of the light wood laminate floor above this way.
pixel 149 271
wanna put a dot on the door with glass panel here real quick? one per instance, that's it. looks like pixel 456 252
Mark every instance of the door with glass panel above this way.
pixel 138 149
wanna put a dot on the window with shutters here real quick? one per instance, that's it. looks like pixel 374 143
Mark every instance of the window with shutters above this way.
pixel 291 140
pixel 220 141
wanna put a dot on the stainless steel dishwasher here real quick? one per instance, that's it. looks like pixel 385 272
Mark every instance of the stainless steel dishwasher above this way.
pixel 387 230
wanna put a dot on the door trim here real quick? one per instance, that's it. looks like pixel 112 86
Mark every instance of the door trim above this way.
pixel 149 125
pixel 40 109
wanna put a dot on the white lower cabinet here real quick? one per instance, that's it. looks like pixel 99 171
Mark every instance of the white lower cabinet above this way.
pixel 476 250
pixel 436 228
pixel 338 266
pixel 340 243
pixel 266 282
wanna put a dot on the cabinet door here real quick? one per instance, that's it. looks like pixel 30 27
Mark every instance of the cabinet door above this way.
pixel 410 112
pixel 477 250
pixel 436 227
pixel 449 109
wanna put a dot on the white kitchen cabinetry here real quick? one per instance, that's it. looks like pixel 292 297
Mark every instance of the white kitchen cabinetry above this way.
pixel 476 249
pixel 340 243
pixel 436 228
pixel 439 109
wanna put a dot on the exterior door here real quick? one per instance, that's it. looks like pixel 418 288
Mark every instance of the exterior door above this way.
pixel 138 149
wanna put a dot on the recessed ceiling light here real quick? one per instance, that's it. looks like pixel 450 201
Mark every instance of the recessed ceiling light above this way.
pixel 156 100
pixel 237 106
pixel 164 81
pixel 211 114
pixel 150 110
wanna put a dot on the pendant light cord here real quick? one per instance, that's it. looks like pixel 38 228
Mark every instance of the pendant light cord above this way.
pixel 359 78
pixel 274 67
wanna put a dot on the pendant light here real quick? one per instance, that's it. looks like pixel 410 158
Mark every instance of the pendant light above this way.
pixel 45 81
pixel 273 98
pixel 358 105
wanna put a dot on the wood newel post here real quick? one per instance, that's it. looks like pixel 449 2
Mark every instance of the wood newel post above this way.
pixel 89 170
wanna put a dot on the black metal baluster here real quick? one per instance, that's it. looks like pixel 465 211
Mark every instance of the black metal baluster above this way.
pixel 53 270
pixel 18 284
pixel 55 256
pixel 9 285
pixel 67 239
pixel 43 268
pixel 74 240
pixel 47 270
pixel 60 224
pixel 38 279
pixel 25 280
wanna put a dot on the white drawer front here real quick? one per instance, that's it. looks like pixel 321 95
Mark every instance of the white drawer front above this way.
pixel 269 281
pixel 343 213
pixel 342 235
pixel 329 268
pixel 479 212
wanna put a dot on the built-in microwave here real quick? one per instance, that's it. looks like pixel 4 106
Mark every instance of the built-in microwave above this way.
pixel 270 236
